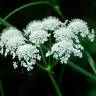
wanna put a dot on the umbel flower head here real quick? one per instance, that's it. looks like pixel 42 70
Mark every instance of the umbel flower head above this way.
pixel 80 27
pixel 51 23
pixel 39 37
pixel 11 38
pixel 33 26
pixel 8 33
pixel 28 54
pixel 67 40
pixel 63 33
pixel 65 36
pixel 64 49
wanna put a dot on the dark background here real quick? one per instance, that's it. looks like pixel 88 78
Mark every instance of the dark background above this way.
pixel 37 83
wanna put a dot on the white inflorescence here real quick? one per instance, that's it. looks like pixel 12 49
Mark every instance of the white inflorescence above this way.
pixel 13 44
pixel 9 33
pixel 63 33
pixel 11 38
pixel 33 26
pixel 28 54
pixel 66 41
pixel 62 50
pixel 80 27
pixel 91 35
pixel 51 23
pixel 39 37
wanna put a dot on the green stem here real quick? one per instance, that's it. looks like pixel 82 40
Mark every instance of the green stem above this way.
pixel 25 6
pixel 54 6
pixel 54 83
pixel 91 61
pixel 49 48
pixel 2 94
pixel 41 67
pixel 52 1
pixel 61 73
pixel 42 54
pixel 57 9
pixel 81 70
pixel 5 23
pixel 54 63
pixel 50 73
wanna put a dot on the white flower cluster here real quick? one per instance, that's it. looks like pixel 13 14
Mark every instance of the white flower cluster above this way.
pixel 11 38
pixel 79 27
pixel 66 35
pixel 38 37
pixel 13 42
pixel 38 30
pixel 33 26
pixel 28 54
pixel 63 33
pixel 51 23
pixel 64 49
pixel 67 40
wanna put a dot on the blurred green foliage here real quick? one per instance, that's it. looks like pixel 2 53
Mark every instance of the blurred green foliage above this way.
pixel 92 92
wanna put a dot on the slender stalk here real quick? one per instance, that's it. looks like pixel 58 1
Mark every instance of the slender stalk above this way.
pixel 54 6
pixel 54 83
pixel 50 48
pixel 50 73
pixel 25 6
pixel 52 1
pixel 42 54
pixel 2 94
pixel 61 73
pixel 41 67
pixel 5 23
pixel 52 79
pixel 81 70
pixel 91 61
pixel 57 8
pixel 54 63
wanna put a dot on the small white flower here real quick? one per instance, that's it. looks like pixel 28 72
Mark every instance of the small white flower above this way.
pixel 48 53
pixel 33 26
pixel 27 65
pixel 39 37
pixel 15 65
pixel 1 48
pixel 91 35
pixel 51 23
pixel 29 54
